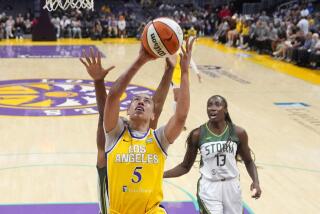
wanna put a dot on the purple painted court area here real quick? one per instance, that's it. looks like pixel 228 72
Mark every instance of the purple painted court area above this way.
pixel 171 208
pixel 50 51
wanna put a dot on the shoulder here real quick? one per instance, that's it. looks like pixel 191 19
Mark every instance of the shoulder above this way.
pixel 194 137
pixel 241 133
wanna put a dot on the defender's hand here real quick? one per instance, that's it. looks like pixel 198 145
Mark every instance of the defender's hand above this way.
pixel 93 65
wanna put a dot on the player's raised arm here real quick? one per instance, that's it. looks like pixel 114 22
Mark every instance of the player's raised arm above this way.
pixel 177 121
pixel 161 93
pixel 112 106
pixel 94 68
pixel 92 62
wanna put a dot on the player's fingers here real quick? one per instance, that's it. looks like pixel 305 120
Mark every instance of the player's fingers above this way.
pixel 92 56
pixel 191 43
pixel 84 55
pixel 109 69
pixel 84 63
pixel 183 51
pixel 99 57
pixel 187 43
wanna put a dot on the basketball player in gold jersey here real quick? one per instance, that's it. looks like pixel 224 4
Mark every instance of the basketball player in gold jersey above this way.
pixel 135 153
pixel 176 78
pixel 92 62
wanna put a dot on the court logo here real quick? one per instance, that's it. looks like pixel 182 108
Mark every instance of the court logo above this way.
pixel 56 97
pixel 217 71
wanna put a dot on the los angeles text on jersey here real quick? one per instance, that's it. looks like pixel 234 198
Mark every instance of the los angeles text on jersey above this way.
pixel 221 146
pixel 137 154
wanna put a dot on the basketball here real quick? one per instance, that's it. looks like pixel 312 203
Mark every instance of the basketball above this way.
pixel 162 37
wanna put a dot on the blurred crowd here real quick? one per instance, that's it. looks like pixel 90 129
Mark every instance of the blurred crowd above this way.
pixel 290 34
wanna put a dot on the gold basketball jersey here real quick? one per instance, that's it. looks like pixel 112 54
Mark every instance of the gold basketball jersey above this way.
pixel 134 173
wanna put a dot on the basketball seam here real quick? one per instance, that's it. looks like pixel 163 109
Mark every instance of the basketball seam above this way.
pixel 174 32
pixel 160 37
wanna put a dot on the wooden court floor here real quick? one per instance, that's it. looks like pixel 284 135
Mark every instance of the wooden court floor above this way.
pixel 48 122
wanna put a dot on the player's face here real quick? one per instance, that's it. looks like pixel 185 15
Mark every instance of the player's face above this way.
pixel 216 109
pixel 141 107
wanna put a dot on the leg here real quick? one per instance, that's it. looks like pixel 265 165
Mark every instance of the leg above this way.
pixel 231 196
pixel 102 190
pixel 209 197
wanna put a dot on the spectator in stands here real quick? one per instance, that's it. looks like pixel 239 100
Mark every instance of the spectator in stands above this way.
pixel 19 27
pixel 310 8
pixel 27 23
pixel 244 35
pixel 76 27
pixel 315 52
pixel 224 12
pixel 97 31
pixel 9 27
pixel 140 30
pixel 114 26
pixel 296 41
pixel 122 26
pixel 273 37
pixel 303 24
pixel 262 36
pixel 304 12
pixel 302 53
pixel 221 33
pixel 56 23
pixel 233 35
pixel 264 17
pixel 66 26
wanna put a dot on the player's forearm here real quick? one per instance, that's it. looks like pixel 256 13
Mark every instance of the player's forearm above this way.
pixel 162 91
pixel 101 95
pixel 252 171
pixel 112 106
pixel 120 85
pixel 176 172
pixel 100 136
pixel 183 102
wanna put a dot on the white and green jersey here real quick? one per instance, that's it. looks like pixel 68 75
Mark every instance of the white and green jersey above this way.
pixel 218 154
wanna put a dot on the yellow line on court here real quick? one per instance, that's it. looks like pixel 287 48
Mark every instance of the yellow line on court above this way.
pixel 309 75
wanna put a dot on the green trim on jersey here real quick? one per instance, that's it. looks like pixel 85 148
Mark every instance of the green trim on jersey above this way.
pixel 202 207
pixel 206 135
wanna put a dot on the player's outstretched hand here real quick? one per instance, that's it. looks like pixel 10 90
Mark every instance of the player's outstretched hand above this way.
pixel 185 56
pixel 92 62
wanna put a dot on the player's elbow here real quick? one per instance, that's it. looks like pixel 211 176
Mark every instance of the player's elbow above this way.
pixel 248 162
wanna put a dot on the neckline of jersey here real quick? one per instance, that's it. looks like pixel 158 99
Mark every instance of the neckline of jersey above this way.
pixel 224 131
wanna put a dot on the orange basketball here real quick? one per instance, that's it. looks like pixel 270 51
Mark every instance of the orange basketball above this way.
pixel 162 37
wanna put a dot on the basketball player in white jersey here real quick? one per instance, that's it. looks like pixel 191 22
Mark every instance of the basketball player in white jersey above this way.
pixel 92 62
pixel 219 142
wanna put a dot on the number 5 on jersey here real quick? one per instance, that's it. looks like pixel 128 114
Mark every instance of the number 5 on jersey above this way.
pixel 136 177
